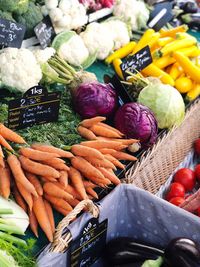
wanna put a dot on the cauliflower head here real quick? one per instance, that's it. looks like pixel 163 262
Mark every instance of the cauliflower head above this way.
pixel 43 55
pixel 119 32
pixel 19 69
pixel 97 38
pixel 132 11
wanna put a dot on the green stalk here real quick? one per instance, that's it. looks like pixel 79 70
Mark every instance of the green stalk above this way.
pixel 11 229
pixel 12 239
pixel 5 211
pixel 63 75
pixel 63 62
pixel 63 69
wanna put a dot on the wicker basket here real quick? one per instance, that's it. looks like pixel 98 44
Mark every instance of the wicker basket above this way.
pixel 157 164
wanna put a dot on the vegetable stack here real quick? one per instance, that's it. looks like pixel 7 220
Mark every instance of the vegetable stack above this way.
pixel 175 59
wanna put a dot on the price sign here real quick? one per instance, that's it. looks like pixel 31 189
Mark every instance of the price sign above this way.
pixel 87 248
pixel 137 62
pixel 37 106
pixel 45 32
pixel 11 33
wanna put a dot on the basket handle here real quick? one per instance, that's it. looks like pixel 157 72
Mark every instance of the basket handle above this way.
pixel 61 242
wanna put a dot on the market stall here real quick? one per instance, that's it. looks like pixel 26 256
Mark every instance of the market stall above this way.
pixel 94 94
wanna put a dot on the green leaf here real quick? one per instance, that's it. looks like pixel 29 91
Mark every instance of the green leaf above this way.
pixel 89 61
pixel 61 38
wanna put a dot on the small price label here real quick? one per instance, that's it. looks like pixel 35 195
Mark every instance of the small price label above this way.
pixel 11 33
pixel 88 247
pixel 37 106
pixel 45 32
pixel 137 62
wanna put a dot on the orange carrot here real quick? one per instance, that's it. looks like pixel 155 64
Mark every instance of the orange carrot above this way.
pixel 47 179
pixel 69 189
pixel 35 182
pixel 38 168
pixel 123 156
pixel 115 161
pixel 103 131
pixel 55 160
pixel 63 180
pixel 92 192
pixel 77 181
pixel 36 154
pixel 52 149
pixel 87 169
pixel 86 133
pixel 5 181
pixel 101 163
pixel 2 163
pixel 73 202
pixel 4 143
pixel 87 123
pixel 1 152
pixel 125 142
pixel 56 165
pixel 110 175
pixel 85 151
pixel 88 184
pixel 59 202
pixel 61 210
pixel 42 217
pixel 53 190
pixel 26 195
pixel 10 135
pixel 19 199
pixel 50 214
pixel 33 223
pixel 19 175
pixel 98 144
pixel 107 151
pixel 110 127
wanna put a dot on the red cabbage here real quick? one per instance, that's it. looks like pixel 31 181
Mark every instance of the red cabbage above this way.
pixel 137 121
pixel 95 99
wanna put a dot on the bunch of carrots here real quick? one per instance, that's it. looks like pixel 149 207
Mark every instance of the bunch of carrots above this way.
pixel 41 180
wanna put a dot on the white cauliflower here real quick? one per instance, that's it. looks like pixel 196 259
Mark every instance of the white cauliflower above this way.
pixel 43 55
pixel 66 14
pixel 133 11
pixel 97 38
pixel 119 31
pixel 74 51
pixel 19 69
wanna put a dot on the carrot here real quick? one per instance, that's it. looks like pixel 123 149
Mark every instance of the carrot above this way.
pixel 47 179
pixel 19 199
pixel 35 182
pixel 55 160
pixel 26 195
pixel 125 142
pixel 103 131
pixel 59 202
pixel 4 143
pixel 107 151
pixel 52 149
pixel 77 181
pixel 87 169
pixel 101 163
pixel 85 151
pixel 98 144
pixel 61 210
pixel 5 181
pixel 111 128
pixel 36 154
pixel 56 165
pixel 86 133
pixel 63 180
pixel 50 214
pixel 92 192
pixel 73 202
pixel 10 135
pixel 38 168
pixel 33 223
pixel 110 175
pixel 19 175
pixel 2 163
pixel 89 184
pixel 69 189
pixel 115 161
pixel 89 122
pixel 123 156
pixel 42 217
pixel 53 190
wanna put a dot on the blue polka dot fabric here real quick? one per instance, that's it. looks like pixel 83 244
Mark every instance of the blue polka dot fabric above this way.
pixel 135 213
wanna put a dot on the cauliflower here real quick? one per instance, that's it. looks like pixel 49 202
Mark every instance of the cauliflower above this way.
pixel 97 38
pixel 19 69
pixel 66 14
pixel 133 11
pixel 43 55
pixel 119 32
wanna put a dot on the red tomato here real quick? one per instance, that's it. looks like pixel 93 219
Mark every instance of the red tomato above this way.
pixel 186 177
pixel 175 190
pixel 198 212
pixel 177 201
pixel 197 172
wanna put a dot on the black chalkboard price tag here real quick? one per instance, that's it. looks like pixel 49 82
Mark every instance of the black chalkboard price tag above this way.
pixel 45 32
pixel 87 248
pixel 137 62
pixel 37 106
pixel 11 33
